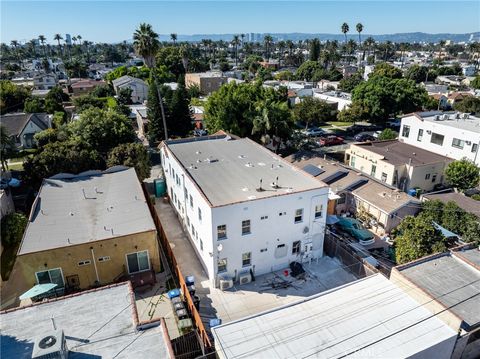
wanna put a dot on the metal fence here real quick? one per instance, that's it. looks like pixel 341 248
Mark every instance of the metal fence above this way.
pixel 177 274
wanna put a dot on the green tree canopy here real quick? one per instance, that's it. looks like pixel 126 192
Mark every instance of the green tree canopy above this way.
pixel 54 100
pixel 12 97
pixel 307 70
pixel 349 83
pixel 470 104
pixel 34 104
pixel 475 83
pixel 417 73
pixel 313 111
pixel 13 225
pixel 387 134
pixel 45 137
pixel 131 155
pixel 384 69
pixel 463 174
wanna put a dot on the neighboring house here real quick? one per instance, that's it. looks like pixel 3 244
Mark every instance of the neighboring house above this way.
pixel 342 99
pixel 367 71
pixel 246 210
pixel 368 318
pixel 351 192
pixel 207 82
pixel 87 230
pixel 448 285
pixel 24 80
pixel 44 81
pixel 98 323
pixel 139 87
pixel 139 115
pixel 349 70
pixel 451 134
pixel 85 86
pixel 451 80
pixel 23 126
pixel 468 204
pixel 442 101
pixel 457 97
pixel 197 116
pixel 435 88
pixel 469 70
pixel 398 164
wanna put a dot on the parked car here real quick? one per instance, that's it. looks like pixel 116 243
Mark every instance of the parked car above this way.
pixel 330 140
pixel 364 137
pixel 353 227
pixel 376 134
pixel 313 132
pixel 394 123
pixel 200 132
pixel 362 128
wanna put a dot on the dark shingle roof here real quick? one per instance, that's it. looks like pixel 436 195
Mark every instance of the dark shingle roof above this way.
pixel 16 122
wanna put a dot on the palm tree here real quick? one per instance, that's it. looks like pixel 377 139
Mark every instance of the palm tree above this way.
pixel 235 42
pixel 184 52
pixel 74 39
pixel 267 41
pixel 173 37
pixel 14 44
pixel 290 45
pixel 58 37
pixel 345 29
pixel 281 49
pixel 441 46
pixel 42 40
pixel 79 38
pixel 243 38
pixel 359 30
pixel 146 45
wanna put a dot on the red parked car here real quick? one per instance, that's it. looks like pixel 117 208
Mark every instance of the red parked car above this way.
pixel 330 141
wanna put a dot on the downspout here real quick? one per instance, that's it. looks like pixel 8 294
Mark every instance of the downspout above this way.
pixel 95 265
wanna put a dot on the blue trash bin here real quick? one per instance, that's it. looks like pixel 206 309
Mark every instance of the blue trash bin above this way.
pixel 215 322
pixel 190 279
pixel 173 293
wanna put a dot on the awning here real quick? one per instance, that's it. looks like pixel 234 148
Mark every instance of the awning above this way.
pixel 445 232
pixel 37 290
pixel 332 196
pixel 332 219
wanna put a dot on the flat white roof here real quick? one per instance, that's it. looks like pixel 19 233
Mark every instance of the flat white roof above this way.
pixel 229 170
pixel 91 206
pixel 472 123
pixel 370 317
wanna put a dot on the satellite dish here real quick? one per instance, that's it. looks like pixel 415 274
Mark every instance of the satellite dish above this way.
pixel 219 247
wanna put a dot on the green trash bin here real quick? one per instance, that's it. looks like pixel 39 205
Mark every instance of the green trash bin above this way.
pixel 160 187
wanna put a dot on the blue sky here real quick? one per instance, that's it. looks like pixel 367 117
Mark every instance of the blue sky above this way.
pixel 112 21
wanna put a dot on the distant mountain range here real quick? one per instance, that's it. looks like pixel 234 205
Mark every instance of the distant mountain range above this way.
pixel 295 36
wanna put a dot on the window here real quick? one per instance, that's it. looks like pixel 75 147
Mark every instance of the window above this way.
pixel 352 161
pixel 434 178
pixel 188 221
pixel 138 262
pixel 475 147
pixel 222 265
pixel 420 135
pixel 222 231
pixel 201 245
pixel 263 217
pixel 51 276
pixel 373 170
pixel 186 194
pixel 193 232
pixel 191 201
pixel 458 143
pixel 437 139
pixel 199 214
pixel 246 227
pixel 104 258
pixel 171 192
pixel 318 211
pixel 427 176
pixel 384 177
pixel 406 131
pixel 246 259
pixel 281 246
pixel 173 173
pixel 298 215
pixel 296 247
pixel 84 263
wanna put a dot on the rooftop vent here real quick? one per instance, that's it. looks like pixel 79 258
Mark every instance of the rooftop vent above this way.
pixel 50 345
pixel 445 117
pixel 260 188
pixel 275 184
pixel 249 164
pixel 211 160
pixel 198 152
pixel 241 156
pixel 437 118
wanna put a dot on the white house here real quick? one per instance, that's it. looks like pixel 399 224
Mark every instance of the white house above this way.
pixel 342 99
pixel 469 70
pixel 246 210
pixel 451 134
pixel 21 127
pixel 138 86
pixel 44 81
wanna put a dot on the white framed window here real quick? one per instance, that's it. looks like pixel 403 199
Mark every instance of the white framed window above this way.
pixel 201 244
pixel 138 261
pixel 296 247
pixel 373 170
pixel 246 259
pixel 427 176
pixel 319 211
pixel 352 161
pixel 299 215
pixel 475 147
pixel 104 259
pixel 384 177
pixel 437 139
pixel 85 262
pixel 191 201
pixel 245 227
pixel 222 265
pixel 199 214
pixel 222 231
pixel 458 143
pixel 188 221
pixel 406 131
pixel 420 135
pixel 54 275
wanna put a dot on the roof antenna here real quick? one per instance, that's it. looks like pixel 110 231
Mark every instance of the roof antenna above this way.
pixel 53 323
pixel 260 189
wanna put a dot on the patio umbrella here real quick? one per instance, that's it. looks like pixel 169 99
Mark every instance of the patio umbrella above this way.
pixel 37 290
pixel 332 219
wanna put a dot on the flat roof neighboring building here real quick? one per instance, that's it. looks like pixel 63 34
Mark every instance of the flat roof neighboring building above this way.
pixel 466 203
pixel 369 317
pixel 99 323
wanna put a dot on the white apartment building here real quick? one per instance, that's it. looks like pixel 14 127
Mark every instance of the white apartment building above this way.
pixel 246 210
pixel 342 99
pixel 450 134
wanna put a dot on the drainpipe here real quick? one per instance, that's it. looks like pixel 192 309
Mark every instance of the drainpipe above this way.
pixel 95 265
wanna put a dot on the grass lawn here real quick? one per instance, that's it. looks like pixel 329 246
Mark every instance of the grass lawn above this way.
pixel 16 167
pixel 340 123
pixel 7 260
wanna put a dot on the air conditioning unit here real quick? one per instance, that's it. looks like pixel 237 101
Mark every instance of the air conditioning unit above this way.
pixel 468 143
pixel 226 284
pixel 245 278
pixel 50 345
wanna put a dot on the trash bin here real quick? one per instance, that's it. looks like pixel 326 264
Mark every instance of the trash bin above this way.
pixel 191 289
pixel 182 314
pixel 215 322
pixel 190 279
pixel 174 293
pixel 196 302
pixel 178 305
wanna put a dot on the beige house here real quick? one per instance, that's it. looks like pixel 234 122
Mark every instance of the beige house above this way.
pixel 87 230
pixel 207 82
pixel 398 164
pixel 352 192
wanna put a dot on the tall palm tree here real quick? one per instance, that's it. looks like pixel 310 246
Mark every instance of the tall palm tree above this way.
pixel 243 38
pixel 42 40
pixel 74 39
pixel 281 49
pixel 58 37
pixel 235 42
pixel 146 45
pixel 184 52
pixel 267 41
pixel 14 44
pixel 32 44
pixel 345 28
pixel 173 37
pixel 359 28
